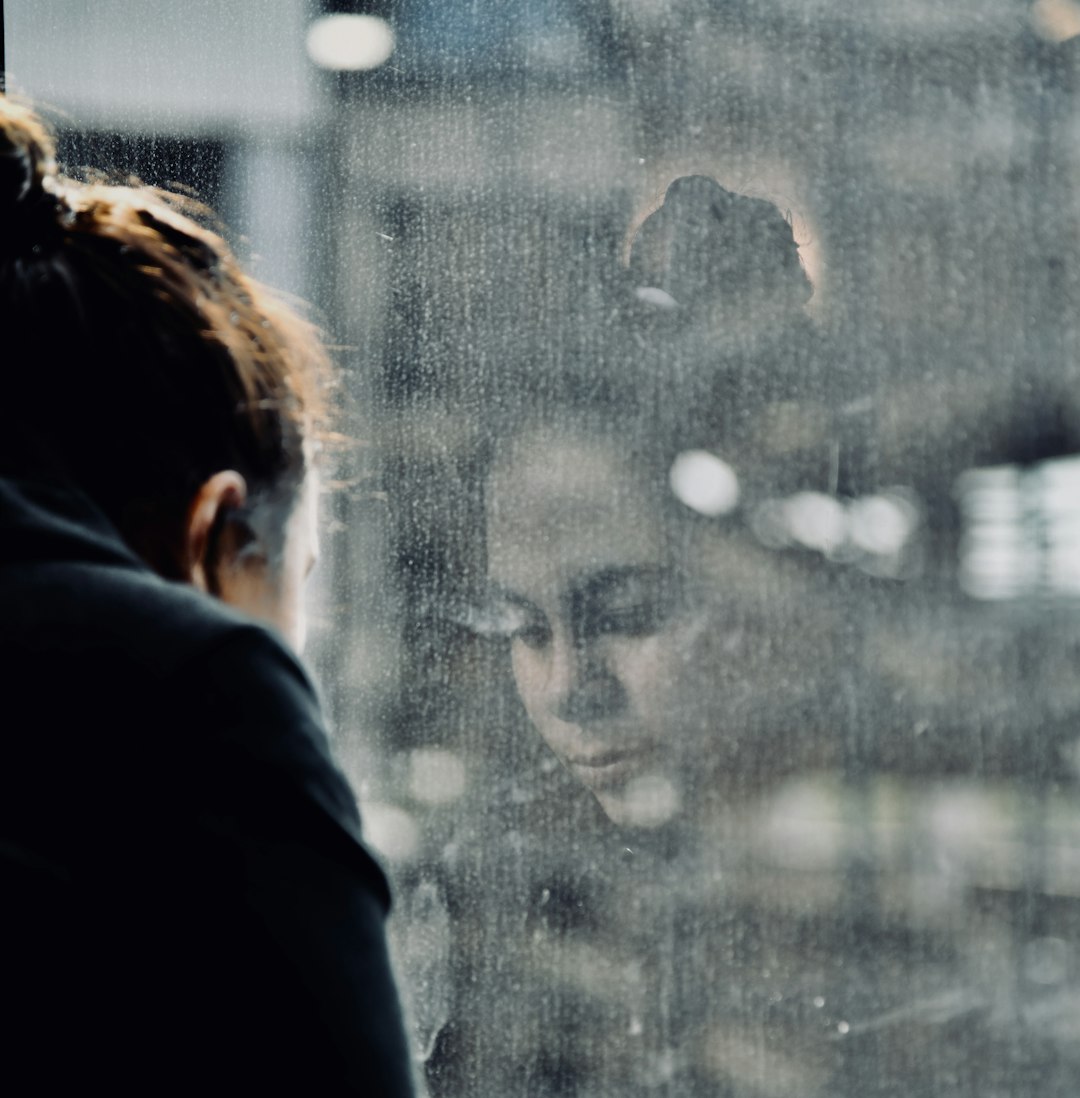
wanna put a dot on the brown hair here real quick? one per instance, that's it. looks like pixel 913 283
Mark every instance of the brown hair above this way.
pixel 140 358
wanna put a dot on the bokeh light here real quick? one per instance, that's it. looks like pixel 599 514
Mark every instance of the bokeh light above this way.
pixel 705 483
pixel 353 43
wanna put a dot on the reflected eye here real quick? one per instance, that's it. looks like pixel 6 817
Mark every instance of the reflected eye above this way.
pixel 639 620
pixel 532 633
pixel 629 602
pixel 635 607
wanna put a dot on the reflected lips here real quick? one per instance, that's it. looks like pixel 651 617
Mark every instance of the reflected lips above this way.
pixel 608 768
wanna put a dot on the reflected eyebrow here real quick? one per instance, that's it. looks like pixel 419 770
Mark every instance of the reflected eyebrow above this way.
pixel 609 580
pixel 589 586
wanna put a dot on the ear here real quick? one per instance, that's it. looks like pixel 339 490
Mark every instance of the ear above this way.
pixel 223 493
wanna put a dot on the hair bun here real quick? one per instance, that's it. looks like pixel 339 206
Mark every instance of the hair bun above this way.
pixel 707 245
pixel 27 160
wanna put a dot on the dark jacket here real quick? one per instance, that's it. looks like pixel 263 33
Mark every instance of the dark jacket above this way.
pixel 186 905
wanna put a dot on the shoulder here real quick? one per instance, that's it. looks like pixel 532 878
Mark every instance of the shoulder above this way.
pixel 60 607
pixel 247 691
pixel 170 705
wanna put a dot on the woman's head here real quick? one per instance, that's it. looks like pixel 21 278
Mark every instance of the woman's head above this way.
pixel 662 652
pixel 145 369
pixel 602 629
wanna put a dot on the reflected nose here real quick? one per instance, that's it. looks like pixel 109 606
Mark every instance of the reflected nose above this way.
pixel 581 684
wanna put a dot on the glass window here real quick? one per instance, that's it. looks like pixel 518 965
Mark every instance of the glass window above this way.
pixel 698 618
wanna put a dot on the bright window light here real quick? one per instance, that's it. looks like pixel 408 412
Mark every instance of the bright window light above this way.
pixel 1056 20
pixel 350 42
pixel 704 482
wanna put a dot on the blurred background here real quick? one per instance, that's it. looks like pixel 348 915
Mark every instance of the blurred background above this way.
pixel 455 188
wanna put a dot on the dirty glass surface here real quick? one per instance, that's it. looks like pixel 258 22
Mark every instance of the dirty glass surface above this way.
pixel 699 615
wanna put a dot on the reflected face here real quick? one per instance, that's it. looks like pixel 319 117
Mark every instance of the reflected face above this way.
pixel 611 641
pixel 660 665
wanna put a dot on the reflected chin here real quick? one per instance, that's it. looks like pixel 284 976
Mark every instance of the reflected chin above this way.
pixel 649 800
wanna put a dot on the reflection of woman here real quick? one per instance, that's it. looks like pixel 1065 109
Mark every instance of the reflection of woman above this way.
pixel 684 595
pixel 660 652
pixel 679 669
pixel 662 656
pixel 187 903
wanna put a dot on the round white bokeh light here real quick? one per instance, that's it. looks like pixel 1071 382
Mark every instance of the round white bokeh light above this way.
pixel 704 483
pixel 350 42
pixel 816 521
pixel 391 831
pixel 436 776
pixel 881 524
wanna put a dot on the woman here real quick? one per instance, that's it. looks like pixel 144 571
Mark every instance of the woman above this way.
pixel 687 554
pixel 188 905
pixel 639 616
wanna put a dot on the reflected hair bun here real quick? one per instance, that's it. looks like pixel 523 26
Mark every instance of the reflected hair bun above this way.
pixel 708 246
pixel 29 210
